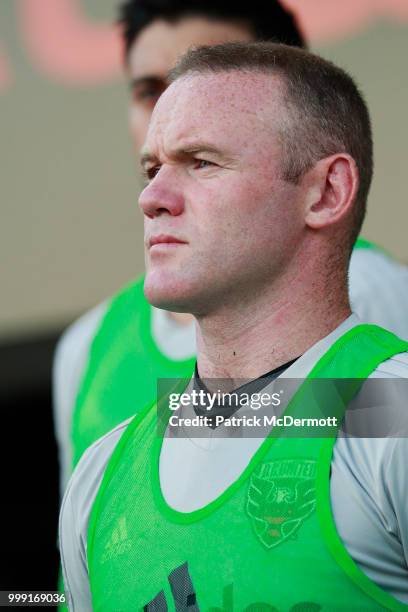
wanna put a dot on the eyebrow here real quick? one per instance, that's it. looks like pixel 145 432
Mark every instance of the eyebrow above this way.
pixel 184 151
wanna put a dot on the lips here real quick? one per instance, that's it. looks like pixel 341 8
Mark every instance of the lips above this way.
pixel 164 239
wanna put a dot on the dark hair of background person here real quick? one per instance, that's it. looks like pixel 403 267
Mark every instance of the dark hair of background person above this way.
pixel 326 111
pixel 267 19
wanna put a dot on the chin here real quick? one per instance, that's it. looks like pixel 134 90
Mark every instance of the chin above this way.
pixel 163 291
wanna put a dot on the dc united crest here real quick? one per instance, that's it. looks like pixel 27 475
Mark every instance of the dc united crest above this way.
pixel 281 496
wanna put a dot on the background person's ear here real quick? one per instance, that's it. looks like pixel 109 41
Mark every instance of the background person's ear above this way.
pixel 331 189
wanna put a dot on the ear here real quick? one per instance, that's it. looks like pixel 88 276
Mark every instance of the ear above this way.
pixel 331 189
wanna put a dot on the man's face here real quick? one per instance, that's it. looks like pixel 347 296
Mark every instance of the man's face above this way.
pixel 220 223
pixel 155 52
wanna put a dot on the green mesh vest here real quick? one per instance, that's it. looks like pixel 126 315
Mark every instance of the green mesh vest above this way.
pixel 267 543
pixel 123 367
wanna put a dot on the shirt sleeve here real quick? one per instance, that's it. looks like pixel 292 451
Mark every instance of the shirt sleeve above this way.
pixel 378 287
pixel 396 490
pixel 70 361
pixel 73 558
pixel 74 518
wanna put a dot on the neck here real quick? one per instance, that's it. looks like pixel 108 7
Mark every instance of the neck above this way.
pixel 256 336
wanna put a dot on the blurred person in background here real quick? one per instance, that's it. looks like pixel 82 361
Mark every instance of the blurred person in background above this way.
pixel 108 362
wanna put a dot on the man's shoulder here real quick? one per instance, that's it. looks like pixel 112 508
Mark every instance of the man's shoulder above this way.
pixel 379 289
pixel 377 262
pixel 87 477
pixel 76 510
pixel 395 367
pixel 99 453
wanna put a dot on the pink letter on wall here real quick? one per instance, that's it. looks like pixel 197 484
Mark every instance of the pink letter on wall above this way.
pixel 5 73
pixel 65 45
pixel 324 20
pixel 69 48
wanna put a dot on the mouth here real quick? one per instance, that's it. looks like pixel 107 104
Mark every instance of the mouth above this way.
pixel 164 240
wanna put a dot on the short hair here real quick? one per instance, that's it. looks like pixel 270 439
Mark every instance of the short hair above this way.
pixel 325 109
pixel 267 19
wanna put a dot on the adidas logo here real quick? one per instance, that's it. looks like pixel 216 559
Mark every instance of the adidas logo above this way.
pixel 119 542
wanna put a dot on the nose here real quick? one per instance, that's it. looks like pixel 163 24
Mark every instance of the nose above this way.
pixel 162 195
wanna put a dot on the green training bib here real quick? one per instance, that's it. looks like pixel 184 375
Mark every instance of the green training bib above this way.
pixel 123 367
pixel 268 543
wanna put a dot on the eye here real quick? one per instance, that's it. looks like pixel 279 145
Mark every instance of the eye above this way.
pixel 146 101
pixel 150 173
pixel 148 93
pixel 200 164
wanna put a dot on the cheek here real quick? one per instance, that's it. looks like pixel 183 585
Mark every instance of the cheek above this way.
pixel 259 217
pixel 237 218
pixel 222 222
pixel 238 207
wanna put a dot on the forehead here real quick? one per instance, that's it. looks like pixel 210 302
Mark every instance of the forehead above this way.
pixel 226 106
pixel 159 44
